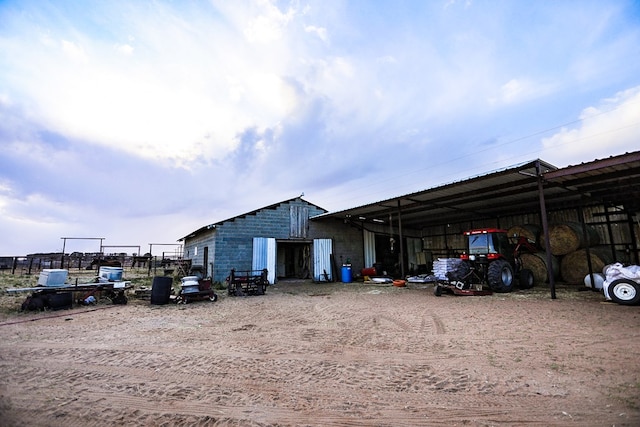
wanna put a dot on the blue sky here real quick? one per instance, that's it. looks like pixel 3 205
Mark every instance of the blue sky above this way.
pixel 141 121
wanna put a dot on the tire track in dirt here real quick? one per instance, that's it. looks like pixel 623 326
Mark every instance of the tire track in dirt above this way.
pixel 370 360
pixel 407 380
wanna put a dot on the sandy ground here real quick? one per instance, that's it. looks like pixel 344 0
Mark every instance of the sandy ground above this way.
pixel 326 354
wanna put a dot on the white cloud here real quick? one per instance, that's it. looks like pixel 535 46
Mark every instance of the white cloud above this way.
pixel 318 31
pixel 125 49
pixel 610 128
pixel 519 90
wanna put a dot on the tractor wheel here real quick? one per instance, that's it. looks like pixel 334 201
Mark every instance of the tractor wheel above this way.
pixel 459 272
pixel 526 279
pixel 500 276
pixel 437 290
pixel 213 297
pixel 624 291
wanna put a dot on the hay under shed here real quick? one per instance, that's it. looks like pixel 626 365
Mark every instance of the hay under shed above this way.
pixel 569 237
pixel 530 231
pixel 537 263
pixel 574 266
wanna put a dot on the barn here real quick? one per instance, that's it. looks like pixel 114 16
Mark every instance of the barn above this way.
pixel 403 235
pixel 279 237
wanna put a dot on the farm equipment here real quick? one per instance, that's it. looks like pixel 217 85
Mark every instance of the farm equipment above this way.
pixel 490 264
pixel 622 284
pixel 192 288
pixel 249 282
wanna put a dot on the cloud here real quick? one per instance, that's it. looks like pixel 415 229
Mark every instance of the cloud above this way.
pixel 157 117
pixel 611 127
pixel 519 90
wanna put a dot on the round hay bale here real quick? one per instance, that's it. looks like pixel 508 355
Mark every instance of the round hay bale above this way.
pixel 569 237
pixel 530 231
pixel 537 263
pixel 574 266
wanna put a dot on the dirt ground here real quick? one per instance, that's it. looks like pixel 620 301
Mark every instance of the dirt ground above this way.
pixel 336 354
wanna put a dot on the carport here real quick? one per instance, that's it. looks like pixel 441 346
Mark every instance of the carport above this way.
pixel 532 187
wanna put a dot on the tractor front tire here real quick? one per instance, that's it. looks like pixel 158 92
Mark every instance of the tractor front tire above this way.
pixel 500 276
pixel 526 279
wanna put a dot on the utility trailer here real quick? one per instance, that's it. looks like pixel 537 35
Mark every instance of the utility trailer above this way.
pixel 247 282
pixel 195 289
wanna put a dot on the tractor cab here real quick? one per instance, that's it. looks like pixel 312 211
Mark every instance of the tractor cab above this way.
pixel 486 245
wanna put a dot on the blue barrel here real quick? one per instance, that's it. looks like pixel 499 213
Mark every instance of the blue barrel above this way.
pixel 346 273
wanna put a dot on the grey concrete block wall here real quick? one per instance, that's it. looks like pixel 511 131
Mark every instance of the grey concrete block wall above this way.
pixel 347 239
pixel 233 239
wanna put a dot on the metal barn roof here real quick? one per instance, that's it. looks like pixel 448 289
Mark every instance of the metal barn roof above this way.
pixel 511 191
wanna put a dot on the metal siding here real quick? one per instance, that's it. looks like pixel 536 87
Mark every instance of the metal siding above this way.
pixel 322 249
pixel 413 247
pixel 264 256
pixel 369 248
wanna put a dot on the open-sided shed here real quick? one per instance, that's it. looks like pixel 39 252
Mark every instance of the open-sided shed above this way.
pixel 531 187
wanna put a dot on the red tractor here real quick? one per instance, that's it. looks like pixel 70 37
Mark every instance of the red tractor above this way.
pixel 490 259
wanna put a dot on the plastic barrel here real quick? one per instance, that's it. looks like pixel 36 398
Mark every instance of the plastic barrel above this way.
pixel 346 273
pixel 61 301
pixel 161 290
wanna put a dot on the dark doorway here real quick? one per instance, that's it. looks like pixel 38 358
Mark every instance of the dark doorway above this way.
pixel 205 261
pixel 294 260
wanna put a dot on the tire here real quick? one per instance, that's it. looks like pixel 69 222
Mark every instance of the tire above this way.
pixel 459 272
pixel 526 279
pixel 624 291
pixel 500 276
pixel 161 290
pixel 437 290
pixel 213 298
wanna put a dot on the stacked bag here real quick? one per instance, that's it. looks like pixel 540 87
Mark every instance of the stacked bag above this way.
pixel 442 266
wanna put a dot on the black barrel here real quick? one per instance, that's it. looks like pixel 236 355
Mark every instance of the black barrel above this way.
pixel 61 301
pixel 161 290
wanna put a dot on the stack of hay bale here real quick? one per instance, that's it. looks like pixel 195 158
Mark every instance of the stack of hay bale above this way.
pixel 567 242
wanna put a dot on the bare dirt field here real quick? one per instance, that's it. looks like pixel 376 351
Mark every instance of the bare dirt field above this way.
pixel 336 354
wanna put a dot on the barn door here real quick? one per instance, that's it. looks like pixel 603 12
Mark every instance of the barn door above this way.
pixel 414 246
pixel 264 256
pixel 322 249
pixel 369 248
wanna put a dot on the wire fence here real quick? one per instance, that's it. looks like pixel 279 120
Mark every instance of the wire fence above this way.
pixel 35 263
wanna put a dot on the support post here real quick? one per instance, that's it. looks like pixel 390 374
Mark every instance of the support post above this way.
pixel 401 240
pixel 545 230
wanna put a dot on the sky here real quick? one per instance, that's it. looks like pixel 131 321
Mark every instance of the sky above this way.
pixel 141 121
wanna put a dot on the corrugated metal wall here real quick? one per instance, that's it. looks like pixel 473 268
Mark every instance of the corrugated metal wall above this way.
pixel 322 250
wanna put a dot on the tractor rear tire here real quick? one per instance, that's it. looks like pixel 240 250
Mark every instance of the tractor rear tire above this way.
pixel 526 279
pixel 500 276
pixel 459 272
pixel 624 292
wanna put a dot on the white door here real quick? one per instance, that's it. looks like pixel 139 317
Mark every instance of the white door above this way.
pixel 414 245
pixel 322 250
pixel 264 256
pixel 369 248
